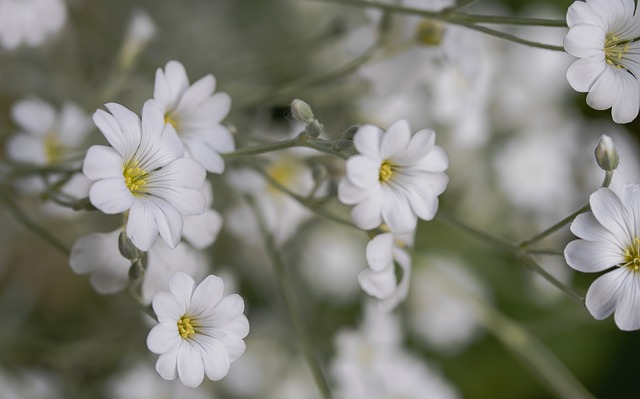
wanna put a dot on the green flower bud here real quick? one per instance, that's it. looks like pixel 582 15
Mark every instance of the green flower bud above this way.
pixel 126 247
pixel 314 129
pixel 301 112
pixel 606 154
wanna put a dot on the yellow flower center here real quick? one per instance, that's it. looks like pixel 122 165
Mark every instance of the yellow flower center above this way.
pixel 632 255
pixel 614 50
pixel 53 149
pixel 171 119
pixel 134 177
pixel 185 327
pixel 429 32
pixel 386 171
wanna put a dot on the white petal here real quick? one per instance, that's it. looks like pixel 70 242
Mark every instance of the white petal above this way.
pixel 226 311
pixel 152 124
pixel 208 114
pixel 26 148
pixel 182 286
pixel 102 162
pixel 110 128
pixel 34 116
pixel 631 201
pixel 214 357
pixel 627 313
pixel 73 126
pixel 129 123
pixel 163 337
pixel 627 104
pixel 592 256
pixel 168 308
pixel 581 13
pixel 377 284
pixel 111 196
pixel 583 73
pixel 421 144
pixel 197 93
pixel 367 141
pixel 587 227
pixel 367 214
pixel 350 194
pixel 208 157
pixel 190 366
pixel 167 364
pixel 379 252
pixel 142 227
pixel 604 293
pixel 606 90
pixel 435 161
pixel 395 140
pixel 202 230
pixel 363 172
pixel 608 210
pixel 206 296
pixel 169 222
pixel 585 41
pixel 396 212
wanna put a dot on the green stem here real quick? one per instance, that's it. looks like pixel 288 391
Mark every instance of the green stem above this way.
pixel 509 37
pixel 535 267
pixel 540 236
pixel 533 353
pixel 261 149
pixel 495 242
pixel 33 226
pixel 295 313
pixel 447 15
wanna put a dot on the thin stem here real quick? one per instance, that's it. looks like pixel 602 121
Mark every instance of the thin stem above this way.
pixel 509 37
pixel 545 251
pixel 33 226
pixel 447 15
pixel 496 242
pixel 532 352
pixel 261 149
pixel 540 236
pixel 535 266
pixel 295 313
pixel 607 178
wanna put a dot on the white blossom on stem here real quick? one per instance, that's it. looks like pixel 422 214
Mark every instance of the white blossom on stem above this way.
pixel 610 239
pixel 604 34
pixel 395 179
pixel 199 332
pixel 195 112
pixel 144 173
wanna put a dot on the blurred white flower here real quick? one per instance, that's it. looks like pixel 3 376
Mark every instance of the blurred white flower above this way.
pixel 195 112
pixel 282 214
pixel 142 382
pixel 29 384
pixel 140 31
pixel 371 364
pixel 202 230
pixel 30 22
pixel 383 252
pixel 395 179
pixel 145 173
pixel 604 36
pixel 199 331
pixel 610 239
pixel 441 304
pixel 97 254
pixel 46 136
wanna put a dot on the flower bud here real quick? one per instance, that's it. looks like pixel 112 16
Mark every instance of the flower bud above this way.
pixel 314 129
pixel 301 111
pixel 126 247
pixel 606 154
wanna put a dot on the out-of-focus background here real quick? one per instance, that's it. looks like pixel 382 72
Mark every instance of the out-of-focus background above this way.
pixel 520 143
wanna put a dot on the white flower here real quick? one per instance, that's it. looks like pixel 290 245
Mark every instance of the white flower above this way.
pixel 199 331
pixel 195 112
pixel 144 173
pixel 380 280
pixel 46 136
pixel 396 178
pixel 30 22
pixel 202 230
pixel 97 254
pixel 610 238
pixel 603 34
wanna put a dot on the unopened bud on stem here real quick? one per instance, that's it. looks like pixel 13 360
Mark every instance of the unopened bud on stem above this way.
pixel 301 111
pixel 606 154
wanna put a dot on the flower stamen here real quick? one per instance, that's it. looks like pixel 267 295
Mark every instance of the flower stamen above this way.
pixel 171 119
pixel 134 176
pixel 386 171
pixel 614 50
pixel 53 149
pixel 185 327
pixel 632 255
